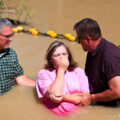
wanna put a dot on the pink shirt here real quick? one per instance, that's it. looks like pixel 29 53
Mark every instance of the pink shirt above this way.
pixel 74 82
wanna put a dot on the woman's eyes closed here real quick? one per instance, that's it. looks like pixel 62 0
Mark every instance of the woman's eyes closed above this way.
pixel 57 55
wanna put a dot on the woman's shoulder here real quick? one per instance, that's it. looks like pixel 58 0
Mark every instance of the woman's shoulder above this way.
pixel 79 69
pixel 44 72
pixel 44 75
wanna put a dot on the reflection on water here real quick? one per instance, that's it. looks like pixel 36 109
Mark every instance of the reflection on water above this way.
pixel 21 103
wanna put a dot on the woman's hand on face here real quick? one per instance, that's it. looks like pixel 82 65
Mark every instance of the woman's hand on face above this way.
pixel 63 63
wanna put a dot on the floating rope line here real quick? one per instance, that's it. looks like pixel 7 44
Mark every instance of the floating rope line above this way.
pixel 52 34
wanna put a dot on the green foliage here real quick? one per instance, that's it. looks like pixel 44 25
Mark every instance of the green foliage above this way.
pixel 23 14
pixel 1 3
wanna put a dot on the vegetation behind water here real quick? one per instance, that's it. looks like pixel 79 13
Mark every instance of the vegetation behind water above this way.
pixel 21 15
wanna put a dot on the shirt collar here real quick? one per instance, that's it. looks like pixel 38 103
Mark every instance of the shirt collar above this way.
pixel 98 47
pixel 3 52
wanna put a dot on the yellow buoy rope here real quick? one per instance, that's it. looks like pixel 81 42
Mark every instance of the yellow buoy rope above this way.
pixel 52 34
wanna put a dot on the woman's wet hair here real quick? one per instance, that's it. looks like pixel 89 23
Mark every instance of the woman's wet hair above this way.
pixel 50 52
pixel 86 27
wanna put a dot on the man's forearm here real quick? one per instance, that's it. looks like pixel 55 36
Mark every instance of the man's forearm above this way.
pixel 105 96
pixel 25 81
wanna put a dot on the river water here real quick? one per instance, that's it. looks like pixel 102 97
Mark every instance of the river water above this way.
pixel 21 103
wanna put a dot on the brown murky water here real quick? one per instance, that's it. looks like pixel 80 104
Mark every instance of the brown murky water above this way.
pixel 21 103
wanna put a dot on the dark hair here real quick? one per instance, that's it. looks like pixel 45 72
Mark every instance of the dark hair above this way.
pixel 50 52
pixel 4 22
pixel 89 27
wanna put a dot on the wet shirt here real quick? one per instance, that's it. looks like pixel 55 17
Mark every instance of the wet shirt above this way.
pixel 102 65
pixel 74 82
pixel 9 69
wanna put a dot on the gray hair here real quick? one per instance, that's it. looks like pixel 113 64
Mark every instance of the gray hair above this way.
pixel 4 22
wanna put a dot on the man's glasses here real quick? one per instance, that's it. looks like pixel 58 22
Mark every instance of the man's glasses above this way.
pixel 78 40
pixel 7 36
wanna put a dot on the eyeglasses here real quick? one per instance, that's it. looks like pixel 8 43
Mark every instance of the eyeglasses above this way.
pixel 7 36
pixel 78 40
